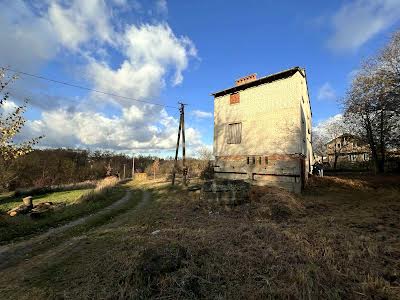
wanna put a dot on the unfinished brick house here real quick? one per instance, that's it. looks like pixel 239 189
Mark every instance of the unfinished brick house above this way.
pixel 262 130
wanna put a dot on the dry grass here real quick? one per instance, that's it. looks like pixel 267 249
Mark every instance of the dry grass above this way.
pixel 278 246
pixel 337 241
pixel 102 188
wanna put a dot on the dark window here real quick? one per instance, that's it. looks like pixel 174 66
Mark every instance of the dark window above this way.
pixel 234 133
pixel 266 160
pixel 254 160
pixel 259 160
pixel 248 160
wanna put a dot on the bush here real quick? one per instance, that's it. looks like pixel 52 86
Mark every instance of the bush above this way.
pixel 208 171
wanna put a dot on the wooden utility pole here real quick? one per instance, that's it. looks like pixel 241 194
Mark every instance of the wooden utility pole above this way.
pixel 181 128
pixel 133 167
pixel 183 146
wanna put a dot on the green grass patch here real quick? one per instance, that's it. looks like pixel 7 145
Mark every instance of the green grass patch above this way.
pixel 21 226
pixel 67 197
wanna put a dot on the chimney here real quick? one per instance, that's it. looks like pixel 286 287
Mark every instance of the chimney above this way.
pixel 246 79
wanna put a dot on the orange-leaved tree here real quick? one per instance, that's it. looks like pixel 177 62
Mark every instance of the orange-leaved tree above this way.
pixel 11 124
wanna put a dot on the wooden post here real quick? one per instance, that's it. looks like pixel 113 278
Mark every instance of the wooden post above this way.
pixel 133 167
pixel 177 146
pixel 124 172
pixel 183 145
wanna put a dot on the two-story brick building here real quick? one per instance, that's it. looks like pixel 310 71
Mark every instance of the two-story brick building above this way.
pixel 347 150
pixel 262 130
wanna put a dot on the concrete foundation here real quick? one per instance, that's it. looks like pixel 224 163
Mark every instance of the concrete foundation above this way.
pixel 284 171
pixel 226 192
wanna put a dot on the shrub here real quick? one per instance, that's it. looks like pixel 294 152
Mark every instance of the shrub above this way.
pixel 208 171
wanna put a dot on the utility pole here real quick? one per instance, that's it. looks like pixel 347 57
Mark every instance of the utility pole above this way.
pixel 183 146
pixel 181 128
pixel 133 167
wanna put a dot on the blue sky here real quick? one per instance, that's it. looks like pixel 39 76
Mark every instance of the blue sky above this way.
pixel 170 51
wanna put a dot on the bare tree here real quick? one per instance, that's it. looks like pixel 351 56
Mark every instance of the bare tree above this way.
pixel 319 141
pixel 325 133
pixel 373 101
pixel 205 156
pixel 155 167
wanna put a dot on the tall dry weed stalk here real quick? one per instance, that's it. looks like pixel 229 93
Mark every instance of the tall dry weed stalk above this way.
pixel 101 189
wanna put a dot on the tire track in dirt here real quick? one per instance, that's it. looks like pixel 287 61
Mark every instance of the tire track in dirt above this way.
pixel 14 253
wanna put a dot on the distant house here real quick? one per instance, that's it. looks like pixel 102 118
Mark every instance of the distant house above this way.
pixel 348 150
pixel 262 130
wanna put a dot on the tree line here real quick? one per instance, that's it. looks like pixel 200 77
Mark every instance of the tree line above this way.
pixel 63 166
pixel 23 166
pixel 41 168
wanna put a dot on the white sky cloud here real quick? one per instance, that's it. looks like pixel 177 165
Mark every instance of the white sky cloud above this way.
pixel 152 56
pixel 95 130
pixel 158 45
pixel 352 74
pixel 162 7
pixel 26 39
pixel 326 92
pixel 322 129
pixel 7 107
pixel 359 20
pixel 201 114
pixel 81 22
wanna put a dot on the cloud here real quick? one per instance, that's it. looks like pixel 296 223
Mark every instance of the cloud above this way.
pixel 151 52
pixel 7 107
pixel 326 92
pixel 129 131
pixel 201 114
pixel 358 21
pixel 26 39
pixel 352 74
pixel 161 7
pixel 158 45
pixel 80 22
pixel 323 128
pixel 126 59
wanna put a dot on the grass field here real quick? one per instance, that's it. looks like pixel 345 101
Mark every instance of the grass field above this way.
pixel 70 207
pixel 8 201
pixel 339 240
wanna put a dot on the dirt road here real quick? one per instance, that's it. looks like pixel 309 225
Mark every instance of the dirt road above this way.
pixel 14 253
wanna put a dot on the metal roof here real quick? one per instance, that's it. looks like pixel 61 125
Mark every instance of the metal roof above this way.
pixel 270 78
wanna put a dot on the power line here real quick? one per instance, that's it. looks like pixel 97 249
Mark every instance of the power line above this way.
pixel 86 88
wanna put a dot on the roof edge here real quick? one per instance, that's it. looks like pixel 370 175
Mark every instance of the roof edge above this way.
pixel 266 79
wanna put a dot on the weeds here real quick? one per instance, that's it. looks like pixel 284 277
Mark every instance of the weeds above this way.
pixel 103 187
pixel 337 241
